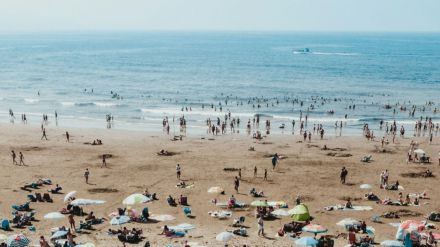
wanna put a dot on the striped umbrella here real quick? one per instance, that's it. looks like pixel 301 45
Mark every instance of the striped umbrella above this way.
pixel 135 199
pixel 314 228
pixel 17 240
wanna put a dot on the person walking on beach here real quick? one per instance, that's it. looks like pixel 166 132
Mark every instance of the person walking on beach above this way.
pixel 239 173
pixel 260 225
pixel 44 134
pixel 104 162
pixel 86 175
pixel 265 174
pixel 255 169
pixel 236 184
pixel 274 161
pixel 178 171
pixel 21 158
pixel 67 137
pixel 344 173
pixel 14 156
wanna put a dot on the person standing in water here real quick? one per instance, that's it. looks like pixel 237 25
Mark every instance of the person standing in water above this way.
pixel 274 161
pixel 67 137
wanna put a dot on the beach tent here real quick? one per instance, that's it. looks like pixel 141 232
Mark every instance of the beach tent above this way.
pixel 300 213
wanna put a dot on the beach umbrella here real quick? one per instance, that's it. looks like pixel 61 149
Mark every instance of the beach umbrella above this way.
pixel 300 213
pixel 411 225
pixel 314 228
pixel 17 240
pixel 215 190
pixel 371 231
pixel 182 227
pixel 119 220
pixel 277 204
pixel 85 202
pixel 69 195
pixel 224 236
pixel 259 203
pixel 163 217
pixel 280 213
pixel 135 199
pixel 365 186
pixel 306 241
pixel 391 243
pixel 58 234
pixel 54 216
pixel 348 222
pixel 3 238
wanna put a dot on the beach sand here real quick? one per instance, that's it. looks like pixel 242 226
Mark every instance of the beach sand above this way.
pixel 135 165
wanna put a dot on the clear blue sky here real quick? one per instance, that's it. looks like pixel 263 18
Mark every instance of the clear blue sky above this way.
pixel 272 15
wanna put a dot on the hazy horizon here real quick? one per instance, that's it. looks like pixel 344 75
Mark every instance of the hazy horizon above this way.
pixel 227 15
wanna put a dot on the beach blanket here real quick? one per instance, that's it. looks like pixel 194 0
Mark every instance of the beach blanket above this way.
pixel 237 205
pixel 220 214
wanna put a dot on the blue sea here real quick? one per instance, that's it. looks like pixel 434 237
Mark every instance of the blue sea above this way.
pixel 156 74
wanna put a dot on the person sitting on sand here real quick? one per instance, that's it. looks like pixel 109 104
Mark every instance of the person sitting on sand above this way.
pixel 255 193
pixel 348 204
pixel 181 184
pixel 171 201
pixel 166 231
pixel 407 201
pixel 231 202
pixel 56 190
pixel 416 201
pixel 90 216
pixel 371 197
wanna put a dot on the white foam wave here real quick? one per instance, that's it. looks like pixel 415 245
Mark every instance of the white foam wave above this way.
pixel 68 103
pixel 31 101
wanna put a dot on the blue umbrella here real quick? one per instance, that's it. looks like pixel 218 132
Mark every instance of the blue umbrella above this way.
pixel 306 241
pixel 18 240
pixel 119 220
pixel 391 243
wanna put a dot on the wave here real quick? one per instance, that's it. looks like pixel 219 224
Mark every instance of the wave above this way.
pixel 31 101
pixel 335 53
pixel 99 104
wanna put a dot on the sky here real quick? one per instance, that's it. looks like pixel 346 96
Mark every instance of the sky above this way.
pixel 224 15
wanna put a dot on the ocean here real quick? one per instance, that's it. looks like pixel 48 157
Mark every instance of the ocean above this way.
pixel 156 74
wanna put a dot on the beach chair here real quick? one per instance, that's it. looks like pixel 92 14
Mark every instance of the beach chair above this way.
pixel 4 225
pixel 46 197
pixel 32 198
pixel 38 197
pixel 187 211
pixel 22 207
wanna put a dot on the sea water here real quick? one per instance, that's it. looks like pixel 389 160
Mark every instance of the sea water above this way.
pixel 156 74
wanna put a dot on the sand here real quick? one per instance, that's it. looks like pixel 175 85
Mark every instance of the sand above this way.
pixel 309 171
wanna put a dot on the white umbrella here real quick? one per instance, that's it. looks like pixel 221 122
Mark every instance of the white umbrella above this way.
pixel 69 195
pixel 163 217
pixel 365 186
pixel 215 190
pixel 54 216
pixel 182 227
pixel 135 199
pixel 58 234
pixel 224 236
pixel 119 220
pixel 347 222
pixel 280 213
pixel 419 151
pixel 84 202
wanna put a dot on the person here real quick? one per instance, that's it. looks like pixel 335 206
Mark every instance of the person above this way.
pixel 239 173
pixel 21 158
pixel 67 137
pixel 43 242
pixel 430 241
pixel 72 221
pixel 236 184
pixel 255 168
pixel 298 200
pixel 14 156
pixel 178 171
pixel 344 173
pixel 86 175
pixel 260 226
pixel 274 161
pixel 348 204
pixel 265 174
pixel 104 162
pixel 44 134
